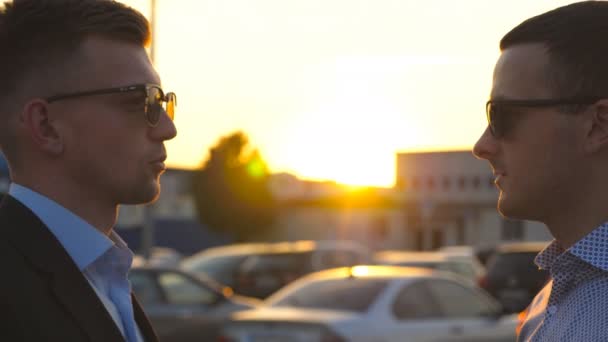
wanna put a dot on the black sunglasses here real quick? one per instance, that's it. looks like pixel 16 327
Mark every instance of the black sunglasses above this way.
pixel 155 101
pixel 499 120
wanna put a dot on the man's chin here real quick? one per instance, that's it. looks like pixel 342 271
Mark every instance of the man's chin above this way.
pixel 510 210
pixel 503 206
pixel 145 195
pixel 151 197
pixel 502 212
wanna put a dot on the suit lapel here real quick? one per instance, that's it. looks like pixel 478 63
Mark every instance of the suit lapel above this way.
pixel 74 292
pixel 71 289
pixel 142 322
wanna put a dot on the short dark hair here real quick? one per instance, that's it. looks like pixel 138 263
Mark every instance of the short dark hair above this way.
pixel 576 39
pixel 42 35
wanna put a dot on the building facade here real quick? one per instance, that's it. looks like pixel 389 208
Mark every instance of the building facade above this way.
pixel 450 199
pixel 439 199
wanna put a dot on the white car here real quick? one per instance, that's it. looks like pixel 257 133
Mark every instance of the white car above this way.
pixel 374 303
pixel 459 263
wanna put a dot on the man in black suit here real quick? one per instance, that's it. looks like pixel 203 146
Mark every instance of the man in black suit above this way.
pixel 83 125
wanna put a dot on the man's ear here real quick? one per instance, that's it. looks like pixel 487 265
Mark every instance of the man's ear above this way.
pixel 38 124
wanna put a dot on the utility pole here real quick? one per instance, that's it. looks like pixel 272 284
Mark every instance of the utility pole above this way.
pixel 153 30
pixel 147 232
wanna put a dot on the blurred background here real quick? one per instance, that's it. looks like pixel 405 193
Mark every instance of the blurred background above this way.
pixel 312 80
pixel 329 133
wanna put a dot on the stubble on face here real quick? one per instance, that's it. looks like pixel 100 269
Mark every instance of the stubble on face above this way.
pixel 146 192
pixel 535 156
pixel 110 146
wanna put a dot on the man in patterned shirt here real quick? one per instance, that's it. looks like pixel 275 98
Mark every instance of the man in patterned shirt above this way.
pixel 547 143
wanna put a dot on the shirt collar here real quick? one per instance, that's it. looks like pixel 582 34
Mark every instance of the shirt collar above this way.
pixel 589 249
pixel 593 247
pixel 81 240
pixel 547 257
pixel 116 260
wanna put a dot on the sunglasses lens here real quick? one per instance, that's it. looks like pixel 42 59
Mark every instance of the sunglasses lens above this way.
pixel 154 105
pixel 157 102
pixel 171 103
pixel 494 119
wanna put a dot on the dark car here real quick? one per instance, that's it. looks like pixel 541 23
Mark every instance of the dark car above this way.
pixel 263 274
pixel 512 277
pixel 220 263
pixel 183 307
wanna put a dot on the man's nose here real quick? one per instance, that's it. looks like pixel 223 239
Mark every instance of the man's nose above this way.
pixel 165 130
pixel 486 146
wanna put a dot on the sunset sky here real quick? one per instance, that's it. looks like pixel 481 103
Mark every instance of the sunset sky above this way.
pixel 331 89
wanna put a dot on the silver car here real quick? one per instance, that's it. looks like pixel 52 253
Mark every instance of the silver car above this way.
pixel 374 303
pixel 183 307
pixel 259 269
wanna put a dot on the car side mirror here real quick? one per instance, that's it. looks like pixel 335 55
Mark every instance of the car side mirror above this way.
pixel 222 296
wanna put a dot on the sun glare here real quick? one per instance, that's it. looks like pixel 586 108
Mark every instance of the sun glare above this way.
pixel 347 88
pixel 360 271
pixel 343 152
pixel 350 131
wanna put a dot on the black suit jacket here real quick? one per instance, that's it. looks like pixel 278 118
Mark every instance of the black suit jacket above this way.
pixel 43 294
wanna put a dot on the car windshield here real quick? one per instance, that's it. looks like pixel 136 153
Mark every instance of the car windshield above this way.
pixel 296 262
pixel 349 294
pixel 220 268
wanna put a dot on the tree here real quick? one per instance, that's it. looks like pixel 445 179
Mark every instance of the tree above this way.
pixel 231 190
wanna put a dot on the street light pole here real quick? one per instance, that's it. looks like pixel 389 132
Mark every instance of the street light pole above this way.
pixel 147 233
pixel 153 31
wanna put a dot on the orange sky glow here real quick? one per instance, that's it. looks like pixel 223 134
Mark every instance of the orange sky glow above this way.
pixel 330 89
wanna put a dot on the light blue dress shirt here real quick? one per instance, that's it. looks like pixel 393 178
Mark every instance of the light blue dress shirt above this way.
pixel 104 261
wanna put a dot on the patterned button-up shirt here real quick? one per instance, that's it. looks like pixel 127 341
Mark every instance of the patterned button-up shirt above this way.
pixel 573 306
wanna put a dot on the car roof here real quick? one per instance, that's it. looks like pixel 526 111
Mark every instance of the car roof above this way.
pixel 464 249
pixel 199 277
pixel 371 272
pixel 275 247
pixel 520 247
pixel 238 248
pixel 394 256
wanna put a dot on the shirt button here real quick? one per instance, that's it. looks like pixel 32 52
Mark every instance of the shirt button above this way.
pixel 552 309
